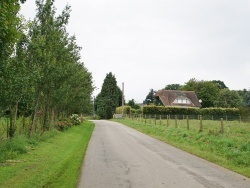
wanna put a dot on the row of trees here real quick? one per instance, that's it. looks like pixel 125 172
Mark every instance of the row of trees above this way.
pixel 41 74
pixel 212 93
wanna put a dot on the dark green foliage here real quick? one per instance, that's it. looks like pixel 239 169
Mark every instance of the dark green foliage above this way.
pixel 216 112
pixel 133 105
pixel 173 87
pixel 246 98
pixel 150 98
pixel 109 98
pixel 220 84
pixel 108 112
pixel 228 99
pixel 207 91
pixel 161 110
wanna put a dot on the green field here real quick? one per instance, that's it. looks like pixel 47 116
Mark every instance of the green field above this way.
pixel 230 149
pixel 53 162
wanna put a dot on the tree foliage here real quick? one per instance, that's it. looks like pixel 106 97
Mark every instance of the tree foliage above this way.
pixel 207 91
pixel 246 98
pixel 173 87
pixel 150 98
pixel 220 84
pixel 43 76
pixel 109 97
pixel 228 99
pixel 132 104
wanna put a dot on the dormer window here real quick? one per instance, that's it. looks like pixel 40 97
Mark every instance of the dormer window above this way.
pixel 182 100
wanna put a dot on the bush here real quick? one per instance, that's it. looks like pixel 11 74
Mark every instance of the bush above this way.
pixel 126 110
pixel 63 125
pixel 75 119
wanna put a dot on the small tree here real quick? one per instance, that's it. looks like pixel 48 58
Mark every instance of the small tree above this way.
pixel 150 98
pixel 133 105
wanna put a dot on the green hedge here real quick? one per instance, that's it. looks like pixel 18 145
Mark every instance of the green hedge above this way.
pixel 126 110
pixel 161 110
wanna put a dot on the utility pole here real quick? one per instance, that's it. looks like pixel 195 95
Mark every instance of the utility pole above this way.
pixel 122 99
pixel 94 106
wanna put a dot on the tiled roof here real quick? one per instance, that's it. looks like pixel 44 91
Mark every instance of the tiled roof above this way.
pixel 169 98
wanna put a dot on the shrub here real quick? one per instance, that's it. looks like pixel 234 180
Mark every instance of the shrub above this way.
pixel 75 119
pixel 126 110
pixel 63 125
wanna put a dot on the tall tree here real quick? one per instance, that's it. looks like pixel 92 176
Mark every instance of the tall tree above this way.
pixel 62 83
pixel 42 62
pixel 108 99
pixel 12 66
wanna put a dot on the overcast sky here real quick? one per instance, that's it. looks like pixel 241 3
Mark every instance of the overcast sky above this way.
pixel 152 43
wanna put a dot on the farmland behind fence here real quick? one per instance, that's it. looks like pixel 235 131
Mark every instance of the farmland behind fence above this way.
pixel 211 124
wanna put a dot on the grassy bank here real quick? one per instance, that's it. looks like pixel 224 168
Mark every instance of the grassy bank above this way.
pixel 230 150
pixel 54 162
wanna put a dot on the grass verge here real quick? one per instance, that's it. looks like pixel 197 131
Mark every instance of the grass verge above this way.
pixel 230 150
pixel 55 162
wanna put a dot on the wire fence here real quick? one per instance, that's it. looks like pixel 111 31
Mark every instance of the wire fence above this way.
pixel 197 117
pixel 219 124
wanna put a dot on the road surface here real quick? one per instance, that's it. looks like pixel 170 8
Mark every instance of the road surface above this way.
pixel 118 156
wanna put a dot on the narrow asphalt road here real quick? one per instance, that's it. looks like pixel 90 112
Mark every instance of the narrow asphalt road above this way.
pixel 118 156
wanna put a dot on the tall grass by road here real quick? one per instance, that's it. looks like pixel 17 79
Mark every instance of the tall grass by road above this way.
pixel 53 162
pixel 230 150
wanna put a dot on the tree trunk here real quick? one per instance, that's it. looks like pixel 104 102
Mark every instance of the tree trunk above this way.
pixel 34 115
pixel 13 117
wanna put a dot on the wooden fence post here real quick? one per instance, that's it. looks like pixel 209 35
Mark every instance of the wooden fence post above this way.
pixel 201 126
pixel 187 123
pixel 167 120
pixel 222 126
pixel 228 128
pixel 176 125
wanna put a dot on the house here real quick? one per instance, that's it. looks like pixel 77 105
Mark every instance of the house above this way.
pixel 178 98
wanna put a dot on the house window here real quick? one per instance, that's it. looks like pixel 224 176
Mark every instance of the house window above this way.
pixel 182 100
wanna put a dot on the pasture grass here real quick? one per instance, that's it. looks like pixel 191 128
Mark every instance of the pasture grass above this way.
pixel 51 162
pixel 230 149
